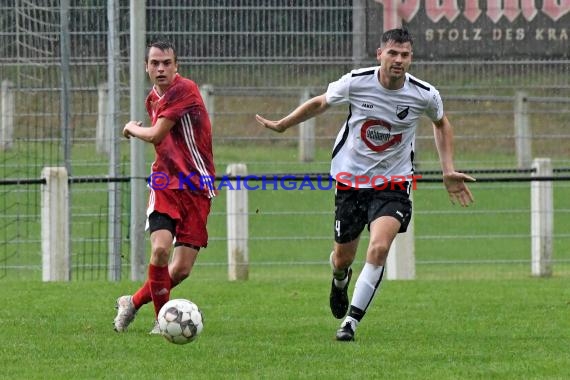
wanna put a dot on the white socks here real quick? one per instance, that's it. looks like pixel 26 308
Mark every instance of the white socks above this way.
pixel 366 285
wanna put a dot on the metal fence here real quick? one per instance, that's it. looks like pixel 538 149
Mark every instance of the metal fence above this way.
pixel 258 57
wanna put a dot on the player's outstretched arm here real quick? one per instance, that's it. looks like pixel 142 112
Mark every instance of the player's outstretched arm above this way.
pixel 305 111
pixel 454 181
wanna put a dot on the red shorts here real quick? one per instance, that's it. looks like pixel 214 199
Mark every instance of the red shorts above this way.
pixel 188 209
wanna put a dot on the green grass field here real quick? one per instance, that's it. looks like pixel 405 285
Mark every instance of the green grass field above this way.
pixel 277 326
pixel 474 311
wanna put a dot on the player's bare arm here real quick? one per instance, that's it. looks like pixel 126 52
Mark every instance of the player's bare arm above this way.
pixel 311 108
pixel 152 135
pixel 454 181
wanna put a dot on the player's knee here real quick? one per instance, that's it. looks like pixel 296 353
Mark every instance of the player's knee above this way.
pixel 378 251
pixel 160 254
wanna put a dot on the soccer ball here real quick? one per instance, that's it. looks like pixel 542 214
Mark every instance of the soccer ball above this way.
pixel 180 321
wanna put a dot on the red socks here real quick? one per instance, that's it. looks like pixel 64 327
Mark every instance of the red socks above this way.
pixel 144 296
pixel 159 284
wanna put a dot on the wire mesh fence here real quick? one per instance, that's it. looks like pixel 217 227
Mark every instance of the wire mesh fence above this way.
pixel 257 57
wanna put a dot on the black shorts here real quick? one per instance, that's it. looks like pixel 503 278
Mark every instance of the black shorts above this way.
pixel 356 208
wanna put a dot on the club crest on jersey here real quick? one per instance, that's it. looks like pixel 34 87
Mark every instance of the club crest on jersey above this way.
pixel 402 111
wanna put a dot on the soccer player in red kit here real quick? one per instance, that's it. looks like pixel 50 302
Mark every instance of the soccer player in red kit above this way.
pixel 181 182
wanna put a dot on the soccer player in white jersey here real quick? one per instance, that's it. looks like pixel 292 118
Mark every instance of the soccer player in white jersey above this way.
pixel 372 156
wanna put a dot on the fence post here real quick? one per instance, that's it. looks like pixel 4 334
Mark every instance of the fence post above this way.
pixel 56 262
pixel 522 131
pixel 542 218
pixel 137 94
pixel 401 261
pixel 207 93
pixel 359 32
pixel 237 211
pixel 7 112
pixel 306 133
pixel 103 131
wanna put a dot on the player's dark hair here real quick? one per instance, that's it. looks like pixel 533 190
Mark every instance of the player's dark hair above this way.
pixel 399 35
pixel 163 46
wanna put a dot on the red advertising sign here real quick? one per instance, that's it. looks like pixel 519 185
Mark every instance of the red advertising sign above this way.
pixel 475 29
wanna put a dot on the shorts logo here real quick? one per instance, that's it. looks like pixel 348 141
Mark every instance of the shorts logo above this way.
pixel 402 111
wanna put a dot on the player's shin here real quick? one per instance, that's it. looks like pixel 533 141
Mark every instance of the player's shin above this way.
pixel 340 275
pixel 159 281
pixel 366 287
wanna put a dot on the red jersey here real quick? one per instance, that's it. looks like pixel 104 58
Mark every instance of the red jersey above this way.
pixel 185 154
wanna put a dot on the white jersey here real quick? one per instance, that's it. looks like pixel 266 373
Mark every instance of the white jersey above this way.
pixel 378 137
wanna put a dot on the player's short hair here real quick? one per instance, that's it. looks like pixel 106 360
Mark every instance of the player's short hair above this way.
pixel 163 46
pixel 398 35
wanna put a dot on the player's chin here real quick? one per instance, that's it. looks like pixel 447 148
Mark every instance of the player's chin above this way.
pixel 398 72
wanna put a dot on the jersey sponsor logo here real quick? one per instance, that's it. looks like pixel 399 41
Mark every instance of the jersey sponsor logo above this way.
pixel 402 112
pixel 377 136
pixel 366 105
